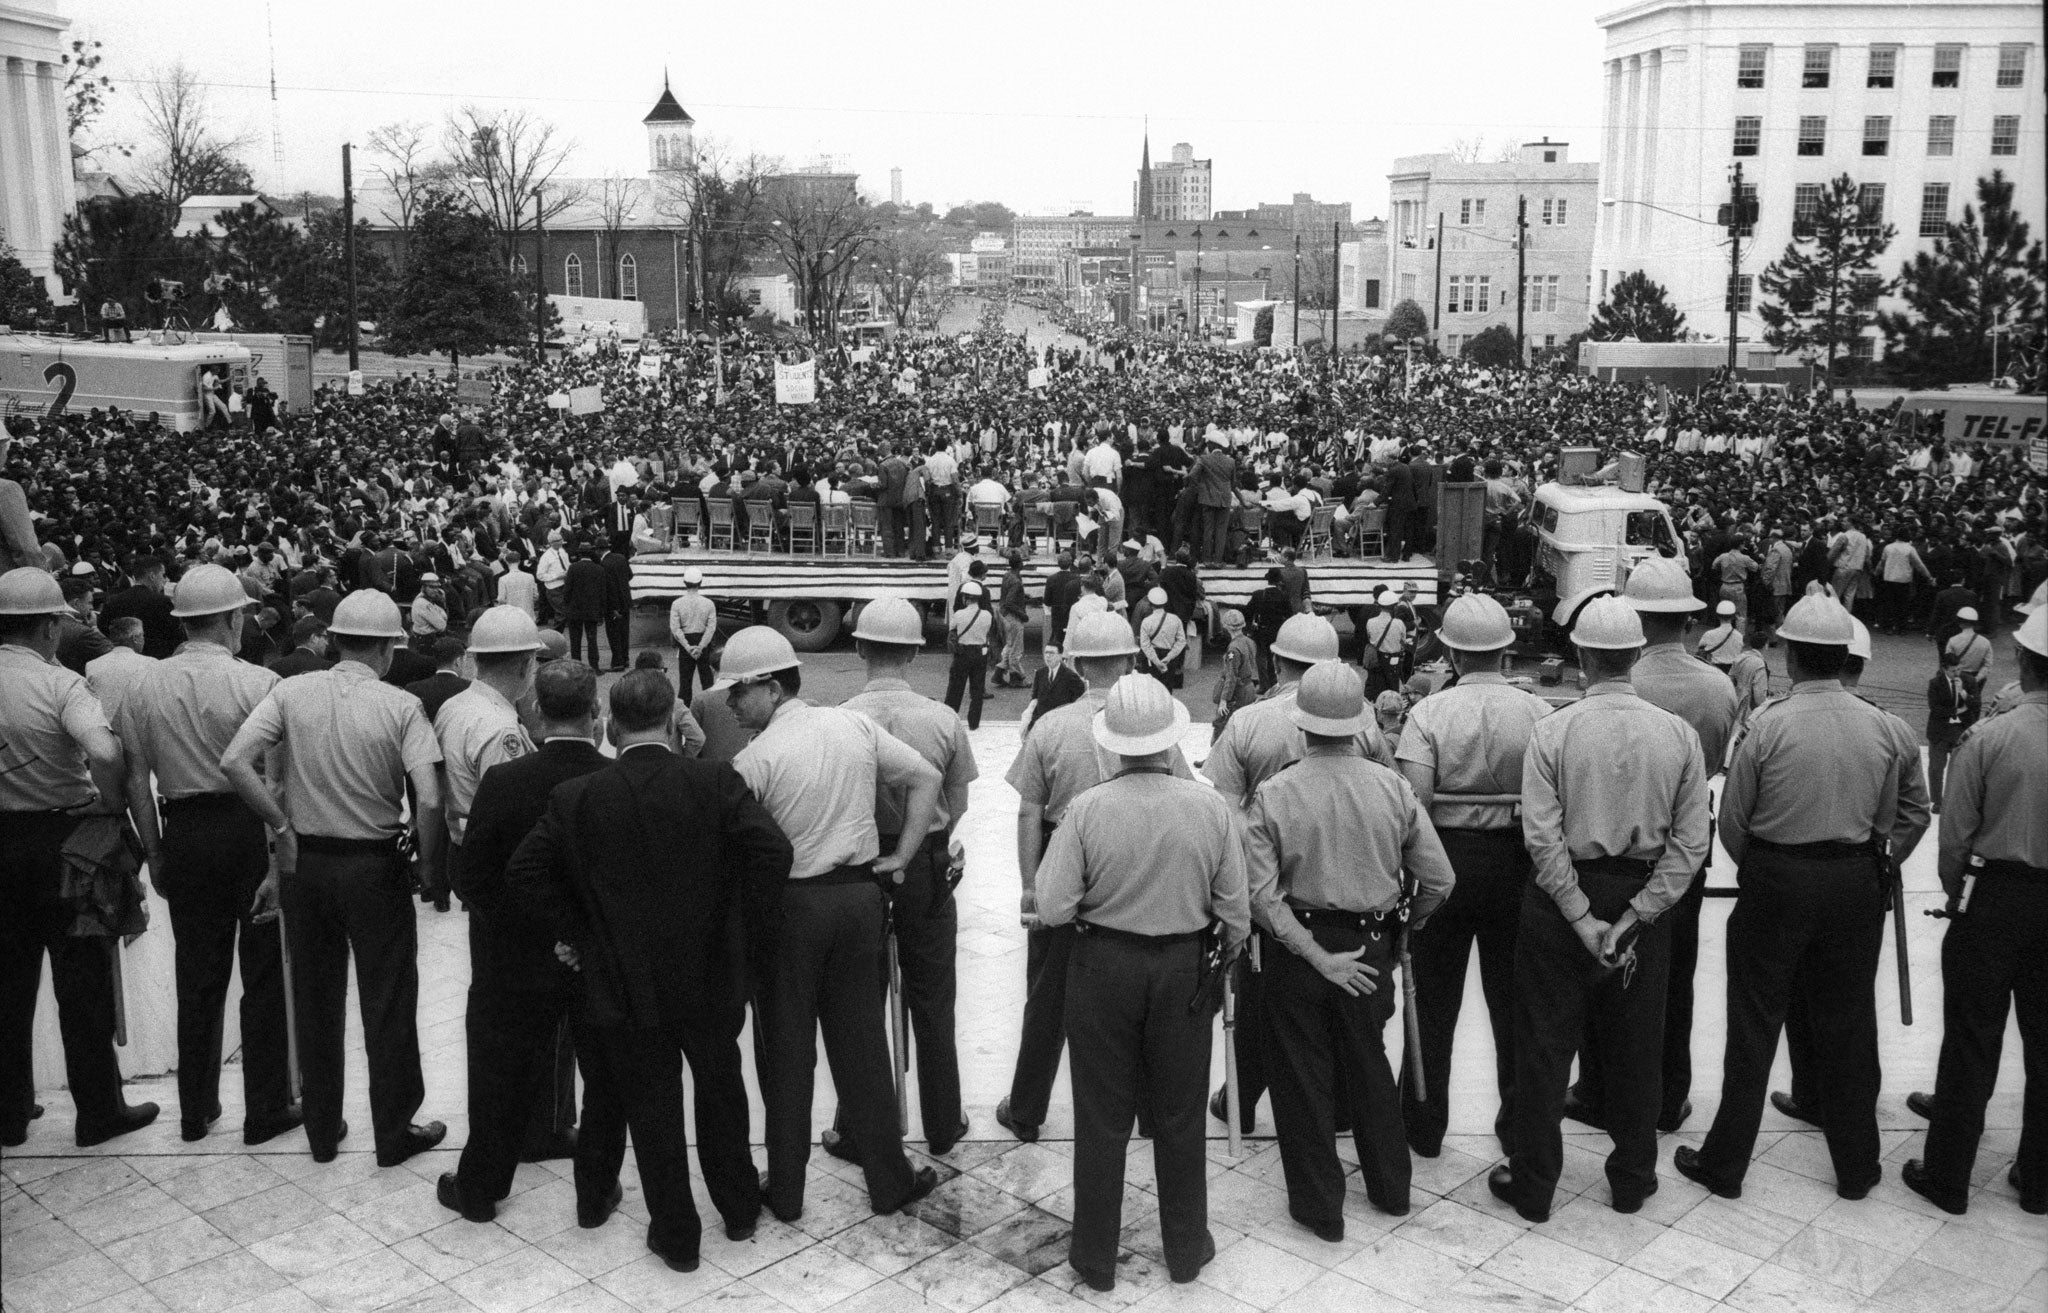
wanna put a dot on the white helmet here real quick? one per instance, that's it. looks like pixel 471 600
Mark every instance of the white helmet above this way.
pixel 1660 583
pixel 891 619
pixel 1819 620
pixel 753 654
pixel 1608 624
pixel 208 590
pixel 504 629
pixel 1307 639
pixel 1140 717
pixel 1100 634
pixel 1476 623
pixel 27 590
pixel 367 613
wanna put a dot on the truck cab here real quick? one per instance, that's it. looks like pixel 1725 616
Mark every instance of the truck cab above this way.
pixel 1588 538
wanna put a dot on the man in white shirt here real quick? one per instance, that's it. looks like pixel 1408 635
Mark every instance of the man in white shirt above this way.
pixel 516 587
pixel 553 574
pixel 1101 461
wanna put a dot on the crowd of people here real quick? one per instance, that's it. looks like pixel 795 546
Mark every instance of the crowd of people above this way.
pixel 306 673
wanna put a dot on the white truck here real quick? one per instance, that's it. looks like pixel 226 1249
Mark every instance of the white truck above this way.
pixel 1588 538
pixel 51 376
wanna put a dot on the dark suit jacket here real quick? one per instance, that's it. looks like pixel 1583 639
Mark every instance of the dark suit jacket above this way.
pixel 299 661
pixel 618 584
pixel 435 690
pixel 895 473
pixel 641 867
pixel 589 587
pixel 508 948
pixel 1051 693
pixel 161 632
pixel 1401 486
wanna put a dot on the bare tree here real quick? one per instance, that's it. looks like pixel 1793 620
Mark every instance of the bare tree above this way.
pixel 905 265
pixel 619 201
pixel 500 159
pixel 400 155
pixel 821 229
pixel 183 154
pixel 718 199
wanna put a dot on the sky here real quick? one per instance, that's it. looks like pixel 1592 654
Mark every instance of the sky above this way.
pixel 1040 105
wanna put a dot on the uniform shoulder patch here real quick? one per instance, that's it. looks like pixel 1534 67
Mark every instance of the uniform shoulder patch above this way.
pixel 512 743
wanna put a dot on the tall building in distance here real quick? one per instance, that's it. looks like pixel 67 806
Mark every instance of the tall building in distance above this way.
pixel 1176 191
pixel 896 186
pixel 1914 102
pixel 1304 214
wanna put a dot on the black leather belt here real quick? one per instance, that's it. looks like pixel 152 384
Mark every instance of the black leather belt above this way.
pixel 1089 930
pixel 199 800
pixel 857 873
pixel 331 846
pixel 1834 850
pixel 1338 919
pixel 2013 871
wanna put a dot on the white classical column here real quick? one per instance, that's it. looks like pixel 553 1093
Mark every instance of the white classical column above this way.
pixel 1652 143
pixel 17 164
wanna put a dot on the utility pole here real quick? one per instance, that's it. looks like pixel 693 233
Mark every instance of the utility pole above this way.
pixel 348 246
pixel 1734 261
pixel 1297 289
pixel 540 284
pixel 1436 305
pixel 1336 277
pixel 1195 320
pixel 1521 268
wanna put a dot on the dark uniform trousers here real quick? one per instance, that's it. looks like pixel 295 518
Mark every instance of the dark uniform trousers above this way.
pixel 618 636
pixel 216 853
pixel 1998 950
pixel 1559 989
pixel 691 669
pixel 354 896
pixel 1818 909
pixel 1254 1029
pixel 1684 920
pixel 581 632
pixel 1047 950
pixel 968 675
pixel 35 922
pixel 1318 1031
pixel 1137 1046
pixel 826 976
pixel 1485 906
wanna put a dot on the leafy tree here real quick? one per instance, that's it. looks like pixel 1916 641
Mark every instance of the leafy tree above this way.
pixel 112 246
pixel 1493 348
pixel 1262 327
pixel 85 97
pixel 1637 308
pixel 457 295
pixel 1983 273
pixel 247 261
pixel 24 301
pixel 1823 290
pixel 312 294
pixel 1407 322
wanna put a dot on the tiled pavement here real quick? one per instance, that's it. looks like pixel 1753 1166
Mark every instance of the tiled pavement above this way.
pixel 151 1223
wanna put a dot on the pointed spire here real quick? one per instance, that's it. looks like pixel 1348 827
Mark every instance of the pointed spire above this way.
pixel 667 109
pixel 1145 175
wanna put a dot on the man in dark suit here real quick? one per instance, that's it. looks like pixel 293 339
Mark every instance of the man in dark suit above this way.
pixel 446 651
pixel 618 602
pixel 641 869
pixel 519 994
pixel 1401 526
pixel 145 599
pixel 1427 477
pixel 889 501
pixel 588 589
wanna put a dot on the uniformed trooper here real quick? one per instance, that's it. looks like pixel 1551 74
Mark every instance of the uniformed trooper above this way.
pixel 1720 644
pixel 1328 841
pixel 209 856
pixel 1058 762
pixel 1142 899
pixel 818 771
pixel 921 908
pixel 352 744
pixel 1162 641
pixel 1825 799
pixel 1994 867
pixel 1462 754
pixel 1668 676
pixel 1614 812
pixel 59 764
pixel 693 623
pixel 1259 742
pixel 1751 676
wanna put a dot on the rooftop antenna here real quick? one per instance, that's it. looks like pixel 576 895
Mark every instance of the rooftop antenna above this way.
pixel 276 117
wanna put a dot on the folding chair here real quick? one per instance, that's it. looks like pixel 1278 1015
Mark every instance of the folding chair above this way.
pixel 722 523
pixel 1317 541
pixel 1371 530
pixel 803 527
pixel 761 526
pixel 867 531
pixel 1037 525
pixel 689 522
pixel 837 523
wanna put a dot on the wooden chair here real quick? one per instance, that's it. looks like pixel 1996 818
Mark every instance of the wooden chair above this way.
pixel 1065 523
pixel 1037 525
pixel 837 523
pixel 662 519
pixel 1316 542
pixel 1369 530
pixel 1252 519
pixel 722 524
pixel 988 522
pixel 689 526
pixel 867 530
pixel 803 527
pixel 761 526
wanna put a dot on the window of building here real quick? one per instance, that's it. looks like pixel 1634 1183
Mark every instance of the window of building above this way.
pixel 1863 348
pixel 1736 295
pixel 1805 207
pixel 1865 290
pixel 1745 224
pixel 1451 341
pixel 1407 287
pixel 1820 62
pixel 1603 284
pixel 629 278
pixel 572 275
pixel 1539 294
pixel 518 266
pixel 1870 206
pixel 1554 212
pixel 1933 209
pixel 2005 135
pixel 1749 132
pixel 1372 293
pixel 1485 282
pixel 1877 135
pixel 753 296
pixel 1813 134
pixel 1948 66
pixel 1472 210
pixel 1749 66
pixel 1884 66
pixel 2012 66
pixel 1941 134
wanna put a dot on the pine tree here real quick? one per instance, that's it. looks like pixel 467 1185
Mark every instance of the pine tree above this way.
pixel 24 301
pixel 1407 321
pixel 1493 348
pixel 1823 290
pixel 1983 275
pixel 456 296
pixel 1637 308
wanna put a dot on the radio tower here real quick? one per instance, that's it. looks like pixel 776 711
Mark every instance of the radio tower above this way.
pixel 276 117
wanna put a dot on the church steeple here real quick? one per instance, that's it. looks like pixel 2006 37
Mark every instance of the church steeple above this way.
pixel 1144 206
pixel 668 127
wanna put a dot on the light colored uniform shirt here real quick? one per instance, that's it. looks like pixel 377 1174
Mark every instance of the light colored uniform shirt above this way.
pixel 816 770
pixel 1668 676
pixel 1262 738
pixel 1992 800
pixel 1061 760
pixel 1387 633
pixel 350 739
pixel 1973 655
pixel 1172 875
pixel 1162 635
pixel 1720 644
pixel 184 713
pixel 478 729
pixel 45 712
pixel 692 613
pixel 1613 776
pixel 1472 736
pixel 1750 675
pixel 1820 764
pixel 971 625
pixel 937 733
pixel 520 589
pixel 1335 830
pixel 113 677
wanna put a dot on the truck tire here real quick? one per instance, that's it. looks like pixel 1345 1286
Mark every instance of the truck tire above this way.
pixel 809 624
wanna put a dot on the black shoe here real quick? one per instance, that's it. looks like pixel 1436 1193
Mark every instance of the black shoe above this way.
pixel 191 1131
pixel 1687 1160
pixel 1101 1282
pixel 418 1139
pixel 1423 1149
pixel 1387 1206
pixel 939 1146
pixel 594 1213
pixel 553 1148
pixel 1632 1202
pixel 1798 1112
pixel 133 1117
pixel 13 1135
pixel 839 1146
pixel 1914 1176
pixel 1025 1131
pixel 2032 1200
pixel 1666 1125
pixel 675 1262
pixel 1860 1189
pixel 768 1197
pixel 1208 1252
pixel 263 1130
pixel 1333 1232
pixel 741 1232
pixel 1920 1103
pixel 449 1191
pixel 922 1182
pixel 1501 1180
pixel 35 1112
pixel 1582 1112
pixel 327 1155
pixel 1247 1115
